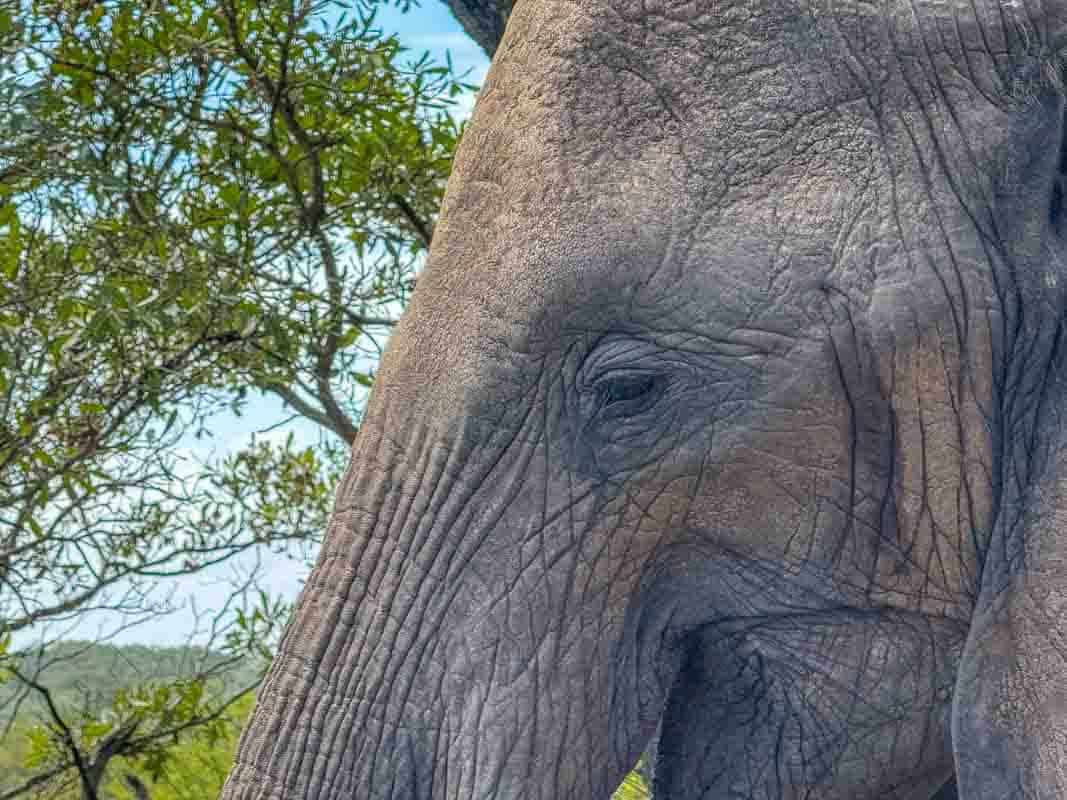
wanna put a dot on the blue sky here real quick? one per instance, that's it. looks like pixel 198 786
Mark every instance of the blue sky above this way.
pixel 429 27
pixel 432 27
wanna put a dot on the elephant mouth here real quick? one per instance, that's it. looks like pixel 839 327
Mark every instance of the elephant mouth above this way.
pixel 819 686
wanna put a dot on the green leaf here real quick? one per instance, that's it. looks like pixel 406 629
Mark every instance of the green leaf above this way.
pixel 633 787
pixel 230 194
pixel 12 244
pixel 95 730
pixel 155 214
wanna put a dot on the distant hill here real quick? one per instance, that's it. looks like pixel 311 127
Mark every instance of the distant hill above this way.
pixel 86 674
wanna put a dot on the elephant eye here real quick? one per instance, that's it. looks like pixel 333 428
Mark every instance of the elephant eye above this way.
pixel 627 395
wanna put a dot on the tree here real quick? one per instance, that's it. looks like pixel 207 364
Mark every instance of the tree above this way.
pixel 198 200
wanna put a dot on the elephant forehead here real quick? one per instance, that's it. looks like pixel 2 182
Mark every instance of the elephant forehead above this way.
pixel 707 146
pixel 584 179
pixel 737 84
pixel 638 248
pixel 615 122
pixel 657 64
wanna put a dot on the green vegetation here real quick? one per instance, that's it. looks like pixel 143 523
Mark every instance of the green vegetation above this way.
pixel 200 200
pixel 197 768
pixel 632 788
pixel 89 682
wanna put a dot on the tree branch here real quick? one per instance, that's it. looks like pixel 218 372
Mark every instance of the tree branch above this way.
pixel 68 736
pixel 35 781
pixel 303 407
pixel 424 231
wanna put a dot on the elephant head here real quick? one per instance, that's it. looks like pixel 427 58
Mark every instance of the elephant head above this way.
pixel 729 412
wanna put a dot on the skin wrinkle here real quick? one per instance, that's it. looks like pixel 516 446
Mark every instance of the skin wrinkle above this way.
pixel 371 701
pixel 311 664
pixel 488 528
pixel 282 780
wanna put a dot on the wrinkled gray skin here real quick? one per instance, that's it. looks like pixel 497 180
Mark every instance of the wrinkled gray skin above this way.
pixel 731 402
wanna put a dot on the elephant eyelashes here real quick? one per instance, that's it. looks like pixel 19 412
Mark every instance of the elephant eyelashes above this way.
pixel 627 395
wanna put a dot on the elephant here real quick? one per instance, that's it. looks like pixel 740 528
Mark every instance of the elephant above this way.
pixel 729 415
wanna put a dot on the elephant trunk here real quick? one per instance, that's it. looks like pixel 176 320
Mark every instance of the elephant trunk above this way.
pixel 351 705
pixel 444 644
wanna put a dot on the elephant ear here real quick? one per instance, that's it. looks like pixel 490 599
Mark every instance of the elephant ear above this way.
pixel 483 20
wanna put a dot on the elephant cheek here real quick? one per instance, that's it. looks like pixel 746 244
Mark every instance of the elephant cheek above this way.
pixel 786 481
